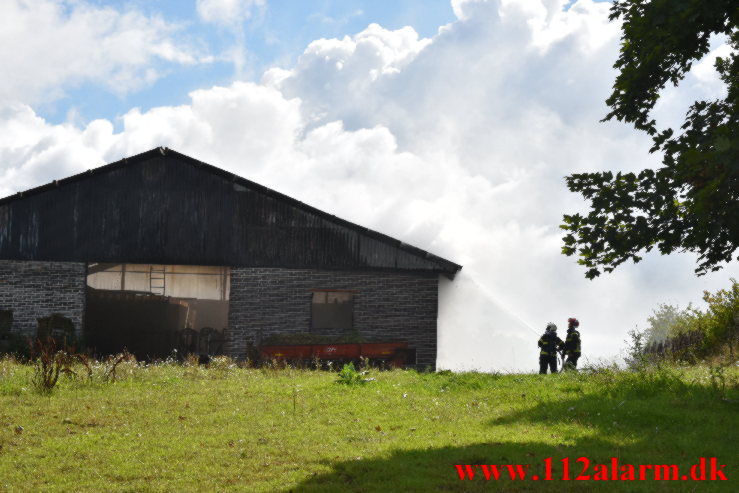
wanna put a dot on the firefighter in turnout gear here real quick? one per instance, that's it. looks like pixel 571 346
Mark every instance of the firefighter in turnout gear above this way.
pixel 572 344
pixel 549 344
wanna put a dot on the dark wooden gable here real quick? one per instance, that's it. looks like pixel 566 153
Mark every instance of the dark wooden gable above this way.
pixel 166 208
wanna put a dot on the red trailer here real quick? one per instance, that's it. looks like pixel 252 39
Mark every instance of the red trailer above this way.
pixel 398 354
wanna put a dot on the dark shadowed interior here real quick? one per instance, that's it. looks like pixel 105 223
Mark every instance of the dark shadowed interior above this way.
pixel 153 310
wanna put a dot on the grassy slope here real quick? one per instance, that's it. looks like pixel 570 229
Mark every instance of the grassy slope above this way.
pixel 174 428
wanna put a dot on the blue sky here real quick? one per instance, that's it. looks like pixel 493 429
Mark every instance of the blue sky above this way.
pixel 456 140
pixel 275 35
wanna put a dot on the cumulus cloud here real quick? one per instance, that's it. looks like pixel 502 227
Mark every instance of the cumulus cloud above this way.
pixel 457 144
pixel 227 12
pixel 47 46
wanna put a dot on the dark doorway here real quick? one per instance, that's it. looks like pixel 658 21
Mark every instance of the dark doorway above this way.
pixel 153 310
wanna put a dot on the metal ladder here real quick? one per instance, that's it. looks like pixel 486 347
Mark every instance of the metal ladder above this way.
pixel 157 279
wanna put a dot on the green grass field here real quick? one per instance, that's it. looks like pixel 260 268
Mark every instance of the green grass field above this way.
pixel 186 428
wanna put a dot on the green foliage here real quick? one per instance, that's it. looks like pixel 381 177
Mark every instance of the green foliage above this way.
pixel 635 356
pixel 668 321
pixel 349 375
pixel 718 323
pixel 692 202
pixel 721 320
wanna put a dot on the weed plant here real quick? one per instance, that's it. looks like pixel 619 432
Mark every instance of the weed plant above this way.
pixel 348 375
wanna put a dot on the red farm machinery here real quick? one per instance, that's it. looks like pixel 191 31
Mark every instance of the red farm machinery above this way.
pixel 394 354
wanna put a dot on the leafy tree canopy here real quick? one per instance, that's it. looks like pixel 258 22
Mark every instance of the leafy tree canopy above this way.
pixel 691 202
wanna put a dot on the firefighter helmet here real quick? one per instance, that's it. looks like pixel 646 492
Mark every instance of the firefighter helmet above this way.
pixel 572 322
pixel 551 327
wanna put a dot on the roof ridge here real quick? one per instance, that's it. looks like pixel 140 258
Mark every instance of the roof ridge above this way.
pixel 444 264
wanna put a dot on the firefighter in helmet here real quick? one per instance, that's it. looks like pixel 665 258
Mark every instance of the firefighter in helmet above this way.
pixel 572 344
pixel 549 344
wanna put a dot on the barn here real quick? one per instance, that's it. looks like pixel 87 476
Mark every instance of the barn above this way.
pixel 159 251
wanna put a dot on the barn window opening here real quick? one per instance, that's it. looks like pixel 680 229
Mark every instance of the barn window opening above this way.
pixel 332 310
pixel 153 310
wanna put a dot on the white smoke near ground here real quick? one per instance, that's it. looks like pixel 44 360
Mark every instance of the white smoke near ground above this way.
pixel 457 144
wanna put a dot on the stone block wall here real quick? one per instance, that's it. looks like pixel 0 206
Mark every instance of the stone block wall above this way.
pixel 387 305
pixel 35 289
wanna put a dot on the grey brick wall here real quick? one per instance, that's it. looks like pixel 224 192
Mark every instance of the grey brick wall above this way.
pixel 387 305
pixel 37 289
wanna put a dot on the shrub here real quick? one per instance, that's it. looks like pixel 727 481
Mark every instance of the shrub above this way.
pixel 721 319
pixel 690 334
pixel 668 321
pixel 349 375
pixel 636 358
pixel 49 363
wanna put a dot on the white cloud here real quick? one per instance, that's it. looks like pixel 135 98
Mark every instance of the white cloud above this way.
pixel 705 70
pixel 227 12
pixel 231 15
pixel 48 46
pixel 339 78
pixel 457 144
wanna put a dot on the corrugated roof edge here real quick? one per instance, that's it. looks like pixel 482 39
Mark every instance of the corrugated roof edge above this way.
pixel 446 266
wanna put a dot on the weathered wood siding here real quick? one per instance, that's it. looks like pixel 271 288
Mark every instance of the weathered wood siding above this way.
pixel 162 207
